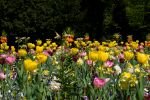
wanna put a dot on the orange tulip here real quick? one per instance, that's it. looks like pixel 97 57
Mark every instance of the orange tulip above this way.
pixel 70 40
pixel 3 39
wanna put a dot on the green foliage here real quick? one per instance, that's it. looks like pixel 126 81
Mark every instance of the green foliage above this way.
pixel 135 12
pixel 37 15
pixel 127 15
pixel 24 17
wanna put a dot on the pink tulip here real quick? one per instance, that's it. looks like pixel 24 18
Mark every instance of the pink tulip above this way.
pixel 10 59
pixel 3 55
pixel 89 62
pixel 121 56
pixel 2 58
pixel 82 54
pixel 109 63
pixel 124 48
pixel 2 75
pixel 141 47
pixel 99 83
pixel 46 53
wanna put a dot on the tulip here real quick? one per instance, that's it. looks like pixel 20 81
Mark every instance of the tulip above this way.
pixel 30 65
pixel 128 55
pixel 82 54
pixel 2 58
pixel 42 58
pixel 93 55
pixel 45 52
pixel 31 45
pixel 89 62
pixel 38 42
pixel 22 52
pixel 142 58
pixel 12 48
pixel 3 39
pixel 2 75
pixel 109 63
pixel 10 59
pixel 74 51
pixel 99 82
pixel 103 56
pixel 32 51
pixel 39 49
pixel 121 58
pixel 3 55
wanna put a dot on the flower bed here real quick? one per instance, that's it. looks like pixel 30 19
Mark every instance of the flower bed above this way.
pixel 77 69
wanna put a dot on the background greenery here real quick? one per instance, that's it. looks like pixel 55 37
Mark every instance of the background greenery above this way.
pixel 40 18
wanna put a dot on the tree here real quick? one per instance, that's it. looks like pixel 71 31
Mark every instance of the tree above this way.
pixel 38 18
pixel 93 17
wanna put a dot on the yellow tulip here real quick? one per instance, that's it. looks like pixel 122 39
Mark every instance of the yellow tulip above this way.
pixel 6 47
pixel 74 51
pixel 93 55
pixel 12 48
pixel 39 42
pixel 48 42
pixel 142 58
pixel 41 58
pixel 1 51
pixel 128 55
pixel 45 44
pixel 31 45
pixel 102 48
pixel 22 52
pixel 103 56
pixel 2 46
pixel 54 44
pixel 134 45
pixel 112 44
pixel 39 49
pixel 83 43
pixel 30 65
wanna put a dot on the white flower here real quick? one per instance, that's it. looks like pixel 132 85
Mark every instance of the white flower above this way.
pixel 118 69
pixel 55 85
